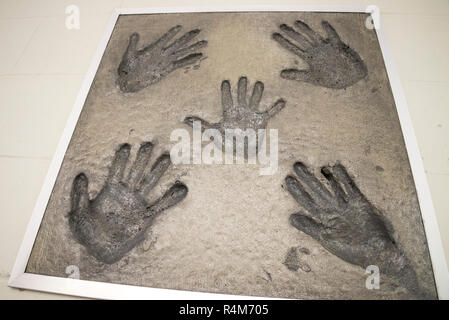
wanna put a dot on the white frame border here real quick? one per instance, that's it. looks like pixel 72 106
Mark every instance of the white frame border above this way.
pixel 84 288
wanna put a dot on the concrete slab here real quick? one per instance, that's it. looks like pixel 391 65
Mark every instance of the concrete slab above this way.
pixel 232 231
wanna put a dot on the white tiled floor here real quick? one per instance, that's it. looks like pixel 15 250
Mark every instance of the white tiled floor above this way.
pixel 65 51
pixel 428 106
pixel 15 34
pixel 33 111
pixel 42 65
pixel 420 45
pixel 21 179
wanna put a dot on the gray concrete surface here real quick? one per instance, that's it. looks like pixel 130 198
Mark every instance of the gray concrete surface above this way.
pixel 231 234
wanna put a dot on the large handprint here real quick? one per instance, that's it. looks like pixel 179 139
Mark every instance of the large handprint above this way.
pixel 346 223
pixel 244 114
pixel 332 64
pixel 117 219
pixel 142 67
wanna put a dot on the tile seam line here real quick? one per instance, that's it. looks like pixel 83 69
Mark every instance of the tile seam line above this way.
pixel 424 15
pixel 27 45
pixel 99 13
pixel 438 173
pixel 62 15
pixel 427 81
pixel 8 156
pixel 40 74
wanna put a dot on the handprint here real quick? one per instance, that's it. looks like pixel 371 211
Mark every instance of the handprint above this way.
pixel 332 64
pixel 346 223
pixel 115 221
pixel 244 114
pixel 142 67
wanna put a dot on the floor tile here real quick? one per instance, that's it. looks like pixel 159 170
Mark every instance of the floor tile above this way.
pixel 33 113
pixel 435 7
pixel 54 49
pixel 428 105
pixel 420 45
pixel 439 186
pixel 15 34
pixel 48 8
pixel 20 185
pixel 8 293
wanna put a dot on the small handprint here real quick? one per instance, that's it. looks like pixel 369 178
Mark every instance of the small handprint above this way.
pixel 346 223
pixel 115 221
pixel 243 114
pixel 143 67
pixel 332 63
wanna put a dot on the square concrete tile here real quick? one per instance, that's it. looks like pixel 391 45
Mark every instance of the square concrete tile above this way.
pixel 238 222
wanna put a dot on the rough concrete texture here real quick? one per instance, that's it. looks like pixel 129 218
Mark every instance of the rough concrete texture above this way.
pixel 232 232
pixel 140 68
pixel 331 62
pixel 242 114
pixel 113 223
pixel 346 223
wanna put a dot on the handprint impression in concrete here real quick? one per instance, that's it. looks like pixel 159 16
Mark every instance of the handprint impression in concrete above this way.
pixel 346 223
pixel 143 67
pixel 243 114
pixel 115 221
pixel 332 63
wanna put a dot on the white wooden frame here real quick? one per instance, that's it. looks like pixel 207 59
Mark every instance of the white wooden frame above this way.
pixel 20 279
